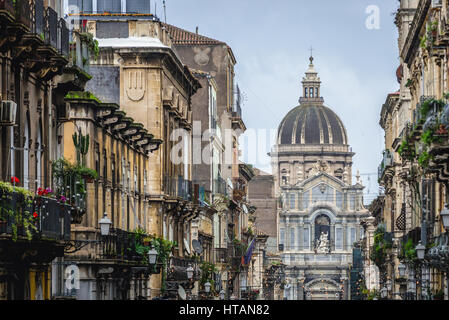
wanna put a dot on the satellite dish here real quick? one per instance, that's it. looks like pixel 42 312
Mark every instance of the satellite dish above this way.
pixel 197 246
pixel 186 246
pixel 182 293
pixel 245 208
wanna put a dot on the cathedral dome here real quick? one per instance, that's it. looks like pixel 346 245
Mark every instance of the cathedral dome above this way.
pixel 311 122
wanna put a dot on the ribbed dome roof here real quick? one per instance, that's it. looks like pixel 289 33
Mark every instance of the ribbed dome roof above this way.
pixel 312 124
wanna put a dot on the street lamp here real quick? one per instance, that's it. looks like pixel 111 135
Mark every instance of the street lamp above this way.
pixel 420 251
pixel 207 286
pixel 401 269
pixel 152 256
pixel 383 293
pixel 190 272
pixel 222 295
pixel 105 224
pixel 445 216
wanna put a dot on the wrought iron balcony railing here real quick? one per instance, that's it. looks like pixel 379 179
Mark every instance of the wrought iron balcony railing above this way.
pixel 387 162
pixel 220 255
pixel 51 27
pixel 123 246
pixel 37 18
pixel 41 218
pixel 178 187
pixel 220 186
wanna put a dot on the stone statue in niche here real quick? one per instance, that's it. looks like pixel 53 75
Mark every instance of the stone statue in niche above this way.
pixel 323 244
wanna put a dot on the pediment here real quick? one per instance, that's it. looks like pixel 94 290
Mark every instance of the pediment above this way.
pixel 322 178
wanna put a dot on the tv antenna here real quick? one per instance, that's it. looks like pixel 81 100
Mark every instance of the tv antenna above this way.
pixel 165 11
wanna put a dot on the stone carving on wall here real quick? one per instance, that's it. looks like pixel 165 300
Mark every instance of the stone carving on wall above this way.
pixel 201 56
pixel 135 85
pixel 320 166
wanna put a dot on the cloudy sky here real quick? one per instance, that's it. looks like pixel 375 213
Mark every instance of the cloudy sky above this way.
pixel 272 40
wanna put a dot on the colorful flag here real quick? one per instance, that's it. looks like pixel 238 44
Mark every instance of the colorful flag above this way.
pixel 249 252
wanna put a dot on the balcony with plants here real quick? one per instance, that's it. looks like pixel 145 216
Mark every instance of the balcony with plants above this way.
pixel 70 180
pixel 35 36
pixel 381 248
pixel 427 143
pixel 37 218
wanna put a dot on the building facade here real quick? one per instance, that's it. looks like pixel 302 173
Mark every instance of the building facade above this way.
pixel 321 210
pixel 413 171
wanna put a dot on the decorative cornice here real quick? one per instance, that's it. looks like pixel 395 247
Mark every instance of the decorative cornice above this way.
pixel 412 41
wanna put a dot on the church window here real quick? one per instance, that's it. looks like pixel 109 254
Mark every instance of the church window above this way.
pixel 292 201
pixel 298 238
pixel 353 236
pixel 292 238
pixel 282 236
pixel 311 92
pixel 306 93
pixel 338 239
pixel 352 202
pixel 339 198
pixel 306 238
pixel 305 200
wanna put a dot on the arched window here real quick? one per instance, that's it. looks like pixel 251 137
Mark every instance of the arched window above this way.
pixel 306 92
pixel 311 92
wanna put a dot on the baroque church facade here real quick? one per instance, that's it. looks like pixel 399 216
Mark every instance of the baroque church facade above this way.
pixel 321 210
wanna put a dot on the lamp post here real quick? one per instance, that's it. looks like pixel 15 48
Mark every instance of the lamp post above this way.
pixel 105 225
pixel 420 251
pixel 383 293
pixel 222 294
pixel 207 286
pixel 152 256
pixel 401 270
pixel 445 216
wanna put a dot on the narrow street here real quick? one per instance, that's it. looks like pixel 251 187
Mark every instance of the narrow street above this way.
pixel 210 151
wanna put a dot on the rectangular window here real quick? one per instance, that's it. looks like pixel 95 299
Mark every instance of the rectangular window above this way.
pixel 339 196
pixel 352 202
pixel 305 200
pixel 292 238
pixel 298 238
pixel 292 201
pixel 138 6
pixel 306 239
pixel 338 239
pixel 111 6
pixel 281 235
pixel 353 236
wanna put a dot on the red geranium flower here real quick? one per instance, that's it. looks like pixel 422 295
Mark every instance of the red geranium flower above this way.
pixel 35 215
pixel 15 180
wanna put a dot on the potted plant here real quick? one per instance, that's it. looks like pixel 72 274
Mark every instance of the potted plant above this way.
pixel 88 174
